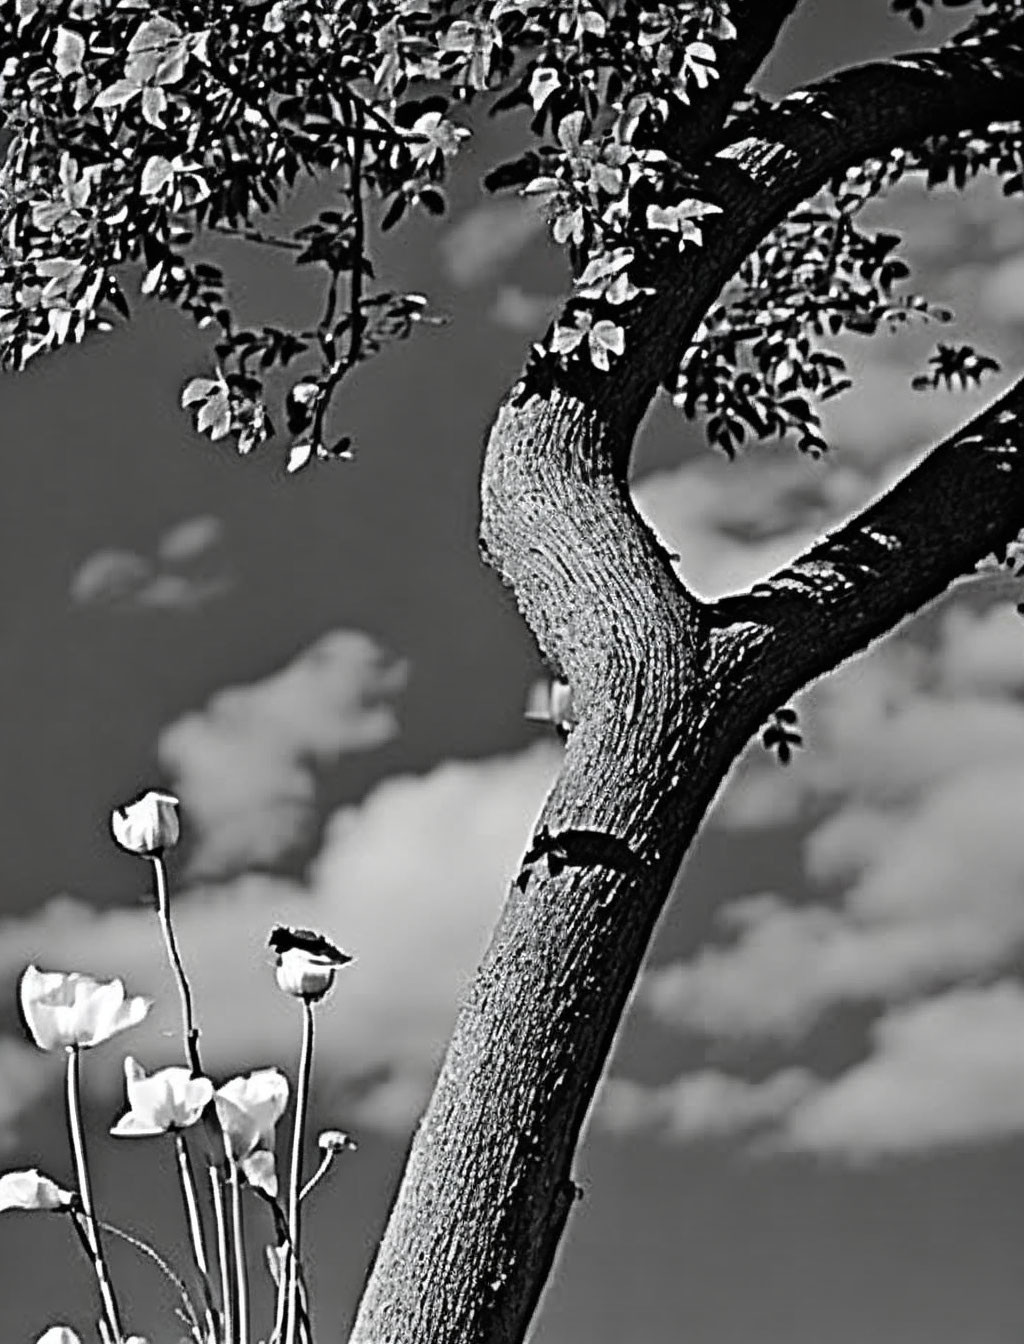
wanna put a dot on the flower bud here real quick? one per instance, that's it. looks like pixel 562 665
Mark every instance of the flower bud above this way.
pixel 306 962
pixel 335 1141
pixel 147 826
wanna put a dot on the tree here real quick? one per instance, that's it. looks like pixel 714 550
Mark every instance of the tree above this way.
pixel 716 247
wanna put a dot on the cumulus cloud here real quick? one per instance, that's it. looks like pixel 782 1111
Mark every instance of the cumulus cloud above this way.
pixel 944 1072
pixel 409 881
pixel 244 765
pixel 919 838
pixel 182 575
pixel 477 247
pixel 706 1104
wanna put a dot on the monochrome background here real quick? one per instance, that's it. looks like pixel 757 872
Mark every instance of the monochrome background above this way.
pixel 813 1125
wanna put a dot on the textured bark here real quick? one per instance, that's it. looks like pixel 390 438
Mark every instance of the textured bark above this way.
pixel 668 690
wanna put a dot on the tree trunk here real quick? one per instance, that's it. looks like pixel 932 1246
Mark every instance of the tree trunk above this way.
pixel 488 1184
pixel 668 690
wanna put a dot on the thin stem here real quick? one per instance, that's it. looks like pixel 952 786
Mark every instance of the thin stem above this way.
pixel 163 910
pixel 227 1309
pixel 144 1248
pixel 187 1179
pixel 238 1236
pixel 83 1236
pixel 317 1176
pixel 281 1296
pixel 295 1181
pixel 99 1264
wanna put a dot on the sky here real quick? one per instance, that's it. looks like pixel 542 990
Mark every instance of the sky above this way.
pixel 813 1125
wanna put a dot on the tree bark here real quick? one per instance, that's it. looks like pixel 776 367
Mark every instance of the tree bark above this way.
pixel 668 691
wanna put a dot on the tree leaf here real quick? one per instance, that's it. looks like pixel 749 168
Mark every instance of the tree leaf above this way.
pixel 68 52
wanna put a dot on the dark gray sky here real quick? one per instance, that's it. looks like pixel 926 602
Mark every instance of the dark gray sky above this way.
pixel 143 571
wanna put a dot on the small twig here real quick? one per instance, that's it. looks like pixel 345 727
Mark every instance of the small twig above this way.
pixel 357 318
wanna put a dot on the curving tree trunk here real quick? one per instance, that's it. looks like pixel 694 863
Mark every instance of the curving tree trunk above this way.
pixel 668 689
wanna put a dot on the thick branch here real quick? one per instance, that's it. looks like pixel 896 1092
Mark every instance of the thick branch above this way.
pixel 964 499
pixel 758 24
pixel 789 154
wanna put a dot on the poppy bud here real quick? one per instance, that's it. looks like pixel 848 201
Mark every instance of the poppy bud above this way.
pixel 306 962
pixel 147 826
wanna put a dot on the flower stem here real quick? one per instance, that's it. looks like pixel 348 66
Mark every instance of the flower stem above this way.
pixel 99 1263
pixel 238 1236
pixel 144 1248
pixel 163 910
pixel 317 1176
pixel 295 1182
pixel 222 1256
pixel 186 1176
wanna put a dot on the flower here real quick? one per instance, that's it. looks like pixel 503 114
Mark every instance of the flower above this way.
pixel 59 1334
pixel 147 826
pixel 63 1008
pixel 32 1190
pixel 334 1141
pixel 306 961
pixel 248 1108
pixel 168 1099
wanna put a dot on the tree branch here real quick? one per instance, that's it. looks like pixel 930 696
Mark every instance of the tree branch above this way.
pixel 963 500
pixel 758 24
pixel 787 155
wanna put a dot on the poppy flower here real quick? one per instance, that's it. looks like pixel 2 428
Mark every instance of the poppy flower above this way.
pixel 249 1108
pixel 65 1009
pixel 32 1190
pixel 169 1099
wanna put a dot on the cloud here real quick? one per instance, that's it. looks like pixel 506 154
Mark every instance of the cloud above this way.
pixel 410 881
pixel 26 1075
pixel 191 539
pixel 942 1073
pixel 110 577
pixel 128 580
pixel 920 838
pixel 945 1072
pixel 244 765
pixel 707 1104
pixel 477 247
pixel 518 310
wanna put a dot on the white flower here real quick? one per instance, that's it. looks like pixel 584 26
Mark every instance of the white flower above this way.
pixel 32 1190
pixel 65 1009
pixel 59 1334
pixel 306 962
pixel 166 1100
pixel 249 1108
pixel 147 826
